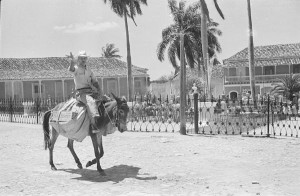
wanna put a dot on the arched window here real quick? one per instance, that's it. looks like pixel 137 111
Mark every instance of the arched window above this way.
pixel 233 95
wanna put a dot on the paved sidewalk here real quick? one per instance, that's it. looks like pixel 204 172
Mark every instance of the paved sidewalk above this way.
pixel 150 164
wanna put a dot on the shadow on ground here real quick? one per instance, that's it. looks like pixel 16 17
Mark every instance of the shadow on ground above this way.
pixel 115 174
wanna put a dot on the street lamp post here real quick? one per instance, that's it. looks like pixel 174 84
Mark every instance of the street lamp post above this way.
pixel 182 87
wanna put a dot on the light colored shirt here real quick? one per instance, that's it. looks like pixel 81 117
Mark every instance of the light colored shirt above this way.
pixel 83 77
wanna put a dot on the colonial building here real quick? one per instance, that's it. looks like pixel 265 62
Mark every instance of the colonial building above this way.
pixel 271 62
pixel 172 87
pixel 42 77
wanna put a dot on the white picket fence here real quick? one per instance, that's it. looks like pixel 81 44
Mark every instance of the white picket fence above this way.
pixel 21 118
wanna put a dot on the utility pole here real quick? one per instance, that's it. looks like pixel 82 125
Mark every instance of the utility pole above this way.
pixel 251 57
pixel 182 87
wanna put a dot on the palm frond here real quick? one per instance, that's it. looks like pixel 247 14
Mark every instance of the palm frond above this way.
pixel 218 9
pixel 287 86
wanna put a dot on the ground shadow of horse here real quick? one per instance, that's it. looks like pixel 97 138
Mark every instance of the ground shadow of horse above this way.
pixel 115 174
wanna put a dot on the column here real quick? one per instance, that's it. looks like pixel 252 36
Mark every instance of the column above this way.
pixel 63 88
pixel 147 85
pixel 40 88
pixel 13 89
pixel 102 86
pixel 22 89
pixel 119 87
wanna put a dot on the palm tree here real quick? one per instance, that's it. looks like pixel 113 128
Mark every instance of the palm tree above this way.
pixel 186 21
pixel 181 40
pixel 109 51
pixel 181 43
pixel 288 86
pixel 127 8
pixel 251 56
pixel 204 39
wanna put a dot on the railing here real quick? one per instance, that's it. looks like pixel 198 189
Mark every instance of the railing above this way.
pixel 258 78
pixel 26 110
pixel 222 116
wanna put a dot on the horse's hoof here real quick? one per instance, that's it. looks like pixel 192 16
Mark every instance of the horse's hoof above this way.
pixel 79 166
pixel 102 173
pixel 53 168
pixel 88 164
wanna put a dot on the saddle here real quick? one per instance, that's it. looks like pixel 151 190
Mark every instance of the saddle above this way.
pixel 71 120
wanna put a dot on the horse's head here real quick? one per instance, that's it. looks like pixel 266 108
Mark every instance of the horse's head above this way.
pixel 121 113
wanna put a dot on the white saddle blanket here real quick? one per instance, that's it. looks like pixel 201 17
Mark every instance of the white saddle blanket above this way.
pixel 71 120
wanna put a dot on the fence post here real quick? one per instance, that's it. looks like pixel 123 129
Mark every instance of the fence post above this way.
pixel 196 114
pixel 37 111
pixel 268 118
pixel 11 109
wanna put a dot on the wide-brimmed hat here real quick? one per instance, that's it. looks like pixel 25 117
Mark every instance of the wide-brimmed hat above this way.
pixel 82 54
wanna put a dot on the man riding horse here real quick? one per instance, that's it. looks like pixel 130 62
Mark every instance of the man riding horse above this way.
pixel 113 113
pixel 87 89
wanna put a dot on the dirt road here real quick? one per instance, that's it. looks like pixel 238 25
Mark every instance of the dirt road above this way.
pixel 150 164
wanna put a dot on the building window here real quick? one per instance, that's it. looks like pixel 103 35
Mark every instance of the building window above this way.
pixel 18 89
pixel 36 90
pixel 296 68
pixel 232 71
pixel 112 87
pixel 233 95
pixel 269 70
pixel 58 89
pixel 247 71
pixel 138 87
pixel 282 69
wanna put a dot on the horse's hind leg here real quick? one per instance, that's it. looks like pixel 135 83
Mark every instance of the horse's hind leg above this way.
pixel 53 140
pixel 70 146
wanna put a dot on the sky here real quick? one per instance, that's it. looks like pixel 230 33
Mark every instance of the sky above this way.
pixel 54 28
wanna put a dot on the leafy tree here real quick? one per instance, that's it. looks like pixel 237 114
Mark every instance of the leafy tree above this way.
pixel 125 9
pixel 288 86
pixel 163 78
pixel 188 21
pixel 109 51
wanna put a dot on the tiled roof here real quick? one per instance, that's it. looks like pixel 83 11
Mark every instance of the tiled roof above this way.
pixel 57 67
pixel 281 54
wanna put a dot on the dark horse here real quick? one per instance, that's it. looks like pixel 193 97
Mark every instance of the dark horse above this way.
pixel 114 111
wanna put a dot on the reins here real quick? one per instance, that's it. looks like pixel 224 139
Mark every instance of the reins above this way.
pixel 116 120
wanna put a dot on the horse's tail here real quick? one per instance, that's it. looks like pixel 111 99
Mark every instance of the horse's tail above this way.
pixel 47 140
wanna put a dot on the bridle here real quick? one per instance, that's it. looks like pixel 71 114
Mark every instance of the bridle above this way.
pixel 116 114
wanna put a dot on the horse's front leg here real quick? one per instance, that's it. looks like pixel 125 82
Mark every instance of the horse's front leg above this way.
pixel 70 146
pixel 97 154
pixel 100 145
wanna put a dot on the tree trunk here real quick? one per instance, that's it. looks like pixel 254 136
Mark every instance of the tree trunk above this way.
pixel 129 71
pixel 204 41
pixel 209 71
pixel 199 69
pixel 182 87
pixel 0 27
pixel 251 57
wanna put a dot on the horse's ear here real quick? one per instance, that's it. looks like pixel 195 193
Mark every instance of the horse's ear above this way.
pixel 115 97
pixel 124 98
